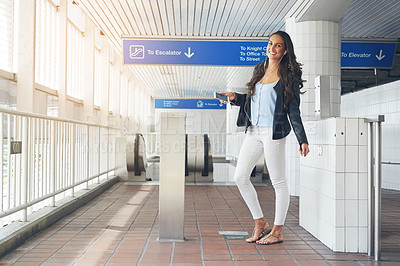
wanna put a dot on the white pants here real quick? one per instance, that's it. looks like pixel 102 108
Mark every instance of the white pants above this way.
pixel 257 141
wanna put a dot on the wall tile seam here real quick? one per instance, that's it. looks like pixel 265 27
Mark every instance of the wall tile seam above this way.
pixel 328 171
pixel 321 194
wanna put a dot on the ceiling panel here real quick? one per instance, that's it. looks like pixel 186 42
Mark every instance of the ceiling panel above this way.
pixel 191 18
pixel 246 19
pixel 372 19
pixel 191 81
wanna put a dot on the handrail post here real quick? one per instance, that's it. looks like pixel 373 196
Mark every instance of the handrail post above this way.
pixel 108 152
pixel 2 161
pixel 87 157
pixel 54 156
pixel 374 186
pixel 378 185
pixel 370 190
pixel 25 165
pixel 73 140
pixel 98 157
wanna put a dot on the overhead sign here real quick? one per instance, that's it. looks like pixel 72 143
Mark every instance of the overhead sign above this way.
pixel 367 55
pixel 168 52
pixel 189 104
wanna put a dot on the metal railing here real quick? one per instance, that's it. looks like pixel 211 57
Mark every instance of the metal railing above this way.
pixel 390 163
pixel 374 186
pixel 45 159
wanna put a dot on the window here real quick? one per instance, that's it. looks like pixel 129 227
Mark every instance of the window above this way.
pixel 115 76
pixel 75 62
pixel 98 77
pixel 46 61
pixel 123 102
pixel 8 20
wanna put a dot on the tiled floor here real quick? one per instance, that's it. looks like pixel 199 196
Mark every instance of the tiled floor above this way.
pixel 120 227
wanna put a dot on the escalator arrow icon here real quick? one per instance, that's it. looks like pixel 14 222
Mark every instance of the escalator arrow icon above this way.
pixel 189 54
pixel 380 57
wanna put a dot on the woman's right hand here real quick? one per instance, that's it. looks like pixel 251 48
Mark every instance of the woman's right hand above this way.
pixel 231 95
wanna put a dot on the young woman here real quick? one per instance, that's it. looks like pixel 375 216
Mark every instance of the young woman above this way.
pixel 272 99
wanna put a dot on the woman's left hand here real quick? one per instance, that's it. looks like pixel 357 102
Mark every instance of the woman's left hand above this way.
pixel 304 150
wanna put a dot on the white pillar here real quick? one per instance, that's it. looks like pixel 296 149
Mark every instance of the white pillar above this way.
pixel 26 56
pixel 317 46
pixel 62 76
pixel 105 79
pixel 88 97
pixel 316 36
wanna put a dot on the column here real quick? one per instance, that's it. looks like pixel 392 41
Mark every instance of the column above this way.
pixel 172 177
pixel 315 32
pixel 88 97
pixel 26 56
pixel 317 46
pixel 62 77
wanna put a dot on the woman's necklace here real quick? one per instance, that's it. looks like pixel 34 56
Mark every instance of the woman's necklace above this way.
pixel 270 72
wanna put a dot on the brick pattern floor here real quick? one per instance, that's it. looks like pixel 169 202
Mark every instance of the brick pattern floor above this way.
pixel 120 227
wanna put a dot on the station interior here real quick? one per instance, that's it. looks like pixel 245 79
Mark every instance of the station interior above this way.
pixel 116 151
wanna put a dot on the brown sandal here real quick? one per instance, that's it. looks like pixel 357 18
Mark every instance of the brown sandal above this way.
pixel 261 235
pixel 262 240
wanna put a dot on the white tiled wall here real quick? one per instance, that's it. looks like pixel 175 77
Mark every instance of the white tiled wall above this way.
pixel 369 103
pixel 333 184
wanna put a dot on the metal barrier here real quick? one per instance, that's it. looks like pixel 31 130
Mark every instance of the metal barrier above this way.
pixel 42 157
pixel 136 158
pixel 218 142
pixel 374 186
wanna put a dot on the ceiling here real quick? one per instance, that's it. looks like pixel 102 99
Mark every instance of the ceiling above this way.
pixel 230 19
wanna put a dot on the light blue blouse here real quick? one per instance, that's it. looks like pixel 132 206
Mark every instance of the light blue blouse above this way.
pixel 263 105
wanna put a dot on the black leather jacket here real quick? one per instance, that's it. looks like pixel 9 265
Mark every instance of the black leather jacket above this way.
pixel 281 127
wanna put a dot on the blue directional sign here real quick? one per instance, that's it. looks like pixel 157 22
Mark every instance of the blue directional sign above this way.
pixel 367 55
pixel 168 52
pixel 189 104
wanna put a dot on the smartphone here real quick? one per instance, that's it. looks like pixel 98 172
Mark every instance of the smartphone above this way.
pixel 221 96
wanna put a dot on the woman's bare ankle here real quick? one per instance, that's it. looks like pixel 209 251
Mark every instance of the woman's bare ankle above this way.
pixel 261 222
pixel 277 229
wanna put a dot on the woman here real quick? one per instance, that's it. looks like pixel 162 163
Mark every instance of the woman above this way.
pixel 273 96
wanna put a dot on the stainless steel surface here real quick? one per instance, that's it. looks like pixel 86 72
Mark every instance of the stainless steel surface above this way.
pixel 391 163
pixel 370 191
pixel 136 153
pixel 378 184
pixel 374 186
pixel 172 177
pixel 199 159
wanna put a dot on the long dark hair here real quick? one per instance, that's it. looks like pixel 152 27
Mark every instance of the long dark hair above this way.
pixel 289 70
